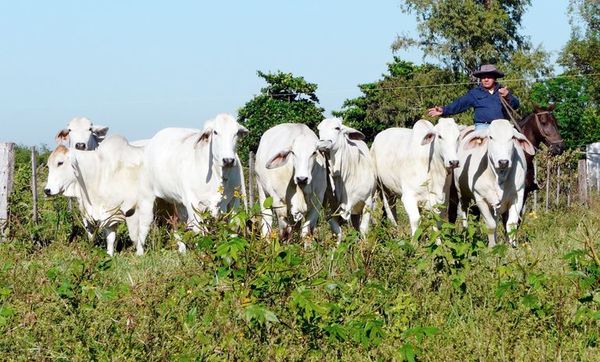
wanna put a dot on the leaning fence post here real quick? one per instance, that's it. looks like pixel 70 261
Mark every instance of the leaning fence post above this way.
pixel 250 178
pixel 582 181
pixel 535 195
pixel 557 185
pixel 7 167
pixel 548 185
pixel 34 185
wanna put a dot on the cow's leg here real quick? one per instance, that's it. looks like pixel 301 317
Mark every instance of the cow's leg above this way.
pixel 365 220
pixel 111 235
pixel 389 206
pixel 146 216
pixel 266 221
pixel 281 211
pixel 461 212
pixel 88 229
pixel 194 220
pixel 412 209
pixel 334 224
pixel 513 219
pixel 133 226
pixel 310 224
pixel 489 217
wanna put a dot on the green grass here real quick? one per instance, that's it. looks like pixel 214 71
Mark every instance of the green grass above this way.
pixel 240 297
pixel 236 296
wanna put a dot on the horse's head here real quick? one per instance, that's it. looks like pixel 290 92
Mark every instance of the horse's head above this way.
pixel 541 127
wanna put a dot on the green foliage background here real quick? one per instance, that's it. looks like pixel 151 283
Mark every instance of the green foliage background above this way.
pixel 285 99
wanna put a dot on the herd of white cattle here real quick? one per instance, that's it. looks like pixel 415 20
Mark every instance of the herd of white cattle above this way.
pixel 198 170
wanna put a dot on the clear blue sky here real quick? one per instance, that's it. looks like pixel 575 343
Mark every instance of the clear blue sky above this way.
pixel 141 65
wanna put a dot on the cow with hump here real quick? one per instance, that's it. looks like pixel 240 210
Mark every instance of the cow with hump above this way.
pixel 104 183
pixel 291 170
pixel 492 175
pixel 196 170
pixel 351 173
pixel 416 163
pixel 82 134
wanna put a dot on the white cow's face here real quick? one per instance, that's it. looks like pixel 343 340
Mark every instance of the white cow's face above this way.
pixel 446 139
pixel 501 139
pixel 60 172
pixel 223 133
pixel 303 154
pixel 332 134
pixel 82 134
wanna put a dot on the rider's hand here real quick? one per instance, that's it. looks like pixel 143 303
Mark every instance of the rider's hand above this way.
pixel 435 111
pixel 503 91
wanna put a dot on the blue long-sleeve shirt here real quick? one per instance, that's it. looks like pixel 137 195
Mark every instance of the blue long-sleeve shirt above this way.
pixel 487 105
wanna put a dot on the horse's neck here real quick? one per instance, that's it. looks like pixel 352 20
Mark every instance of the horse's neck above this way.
pixel 527 126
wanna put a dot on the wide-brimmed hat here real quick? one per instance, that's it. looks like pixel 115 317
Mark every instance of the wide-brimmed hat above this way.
pixel 488 69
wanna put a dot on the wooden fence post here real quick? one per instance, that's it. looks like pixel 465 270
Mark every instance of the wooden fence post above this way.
pixel 250 178
pixel 582 181
pixel 557 185
pixel 34 185
pixel 535 179
pixel 548 185
pixel 7 167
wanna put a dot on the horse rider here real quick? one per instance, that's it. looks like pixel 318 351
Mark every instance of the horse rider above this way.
pixel 485 99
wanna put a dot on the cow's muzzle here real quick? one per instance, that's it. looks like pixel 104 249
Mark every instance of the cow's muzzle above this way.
pixel 80 146
pixel 503 164
pixel 228 162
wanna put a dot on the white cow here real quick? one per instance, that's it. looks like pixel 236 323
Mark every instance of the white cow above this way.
pixel 104 182
pixel 416 163
pixel 82 134
pixel 492 173
pixel 291 170
pixel 197 170
pixel 352 174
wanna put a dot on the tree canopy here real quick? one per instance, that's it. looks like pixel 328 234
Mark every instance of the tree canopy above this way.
pixel 285 99
pixel 401 97
pixel 462 34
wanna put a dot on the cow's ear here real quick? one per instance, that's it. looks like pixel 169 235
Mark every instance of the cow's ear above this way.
pixel 242 131
pixel 522 141
pixel 100 132
pixel 62 136
pixel 353 134
pixel 475 141
pixel 278 160
pixel 205 135
pixel 428 138
pixel 551 107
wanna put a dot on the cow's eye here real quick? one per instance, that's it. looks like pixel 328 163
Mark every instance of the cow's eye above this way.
pixel 69 130
pixel 215 133
pixel 337 128
pixel 60 164
pixel 90 129
pixel 490 137
pixel 439 136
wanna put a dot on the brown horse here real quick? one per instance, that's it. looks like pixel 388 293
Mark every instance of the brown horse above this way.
pixel 540 127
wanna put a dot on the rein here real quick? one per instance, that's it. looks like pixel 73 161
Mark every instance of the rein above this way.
pixel 510 112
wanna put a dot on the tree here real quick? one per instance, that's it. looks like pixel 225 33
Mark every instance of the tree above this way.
pixel 285 99
pixel 578 120
pixel 464 34
pixel 401 97
pixel 580 54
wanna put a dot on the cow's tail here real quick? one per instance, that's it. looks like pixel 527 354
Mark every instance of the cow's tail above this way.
pixel 381 188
